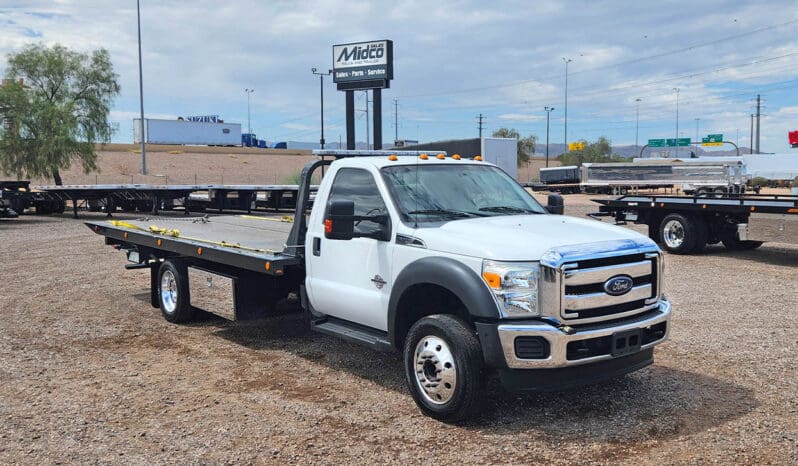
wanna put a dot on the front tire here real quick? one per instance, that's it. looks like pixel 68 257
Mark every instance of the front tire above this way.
pixel 443 366
pixel 173 293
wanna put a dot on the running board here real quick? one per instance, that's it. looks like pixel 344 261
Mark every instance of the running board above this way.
pixel 353 332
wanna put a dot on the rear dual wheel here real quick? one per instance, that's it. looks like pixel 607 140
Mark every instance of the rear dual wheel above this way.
pixel 683 233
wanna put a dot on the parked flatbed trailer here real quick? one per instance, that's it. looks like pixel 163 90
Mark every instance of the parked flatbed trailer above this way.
pixel 17 195
pixel 152 198
pixel 685 224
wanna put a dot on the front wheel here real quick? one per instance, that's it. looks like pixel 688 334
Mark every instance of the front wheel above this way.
pixel 443 366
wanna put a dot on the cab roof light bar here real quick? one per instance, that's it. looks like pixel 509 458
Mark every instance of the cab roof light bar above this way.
pixel 339 154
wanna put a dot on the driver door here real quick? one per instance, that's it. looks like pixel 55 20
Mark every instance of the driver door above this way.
pixel 348 279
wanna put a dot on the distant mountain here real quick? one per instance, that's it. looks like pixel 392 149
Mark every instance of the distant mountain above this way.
pixel 633 151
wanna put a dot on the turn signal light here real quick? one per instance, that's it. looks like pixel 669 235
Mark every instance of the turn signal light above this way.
pixel 267 266
pixel 328 226
pixel 199 251
pixel 492 279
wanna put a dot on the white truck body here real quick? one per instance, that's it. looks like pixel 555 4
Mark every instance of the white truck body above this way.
pixel 448 260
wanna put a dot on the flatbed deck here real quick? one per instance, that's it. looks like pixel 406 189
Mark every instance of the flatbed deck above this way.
pixel 250 242
pixel 760 203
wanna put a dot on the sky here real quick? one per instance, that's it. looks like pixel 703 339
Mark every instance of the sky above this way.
pixel 453 60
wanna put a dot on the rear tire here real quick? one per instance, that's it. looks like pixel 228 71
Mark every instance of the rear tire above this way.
pixel 173 292
pixel 443 366
pixel 683 234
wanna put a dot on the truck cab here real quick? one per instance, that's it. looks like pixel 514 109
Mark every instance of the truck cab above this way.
pixel 453 263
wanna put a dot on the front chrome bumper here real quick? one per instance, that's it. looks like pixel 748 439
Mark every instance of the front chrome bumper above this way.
pixel 558 340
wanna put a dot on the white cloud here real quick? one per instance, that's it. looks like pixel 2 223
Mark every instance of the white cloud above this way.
pixel 453 60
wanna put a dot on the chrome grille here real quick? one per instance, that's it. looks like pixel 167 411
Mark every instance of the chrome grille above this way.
pixel 584 298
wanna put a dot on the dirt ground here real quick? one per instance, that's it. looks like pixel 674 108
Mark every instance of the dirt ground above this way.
pixel 92 374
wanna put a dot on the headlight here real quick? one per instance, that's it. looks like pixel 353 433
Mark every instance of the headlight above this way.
pixel 515 285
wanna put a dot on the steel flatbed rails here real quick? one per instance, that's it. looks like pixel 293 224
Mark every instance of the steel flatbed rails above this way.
pixel 685 224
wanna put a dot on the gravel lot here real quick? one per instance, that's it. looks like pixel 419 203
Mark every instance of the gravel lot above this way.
pixel 92 374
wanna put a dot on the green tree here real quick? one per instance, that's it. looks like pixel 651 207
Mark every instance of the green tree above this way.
pixel 526 146
pixel 599 151
pixel 58 112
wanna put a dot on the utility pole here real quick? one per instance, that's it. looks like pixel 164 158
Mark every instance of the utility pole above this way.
pixel 758 113
pixel 565 136
pixel 321 88
pixel 751 143
pixel 548 114
pixel 677 121
pixel 368 127
pixel 480 125
pixel 141 96
pixel 637 120
pixel 396 119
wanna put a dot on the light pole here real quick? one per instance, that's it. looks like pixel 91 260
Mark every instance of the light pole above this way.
pixel 677 121
pixel 321 86
pixel 637 120
pixel 696 129
pixel 249 120
pixel 548 114
pixel 141 95
pixel 565 137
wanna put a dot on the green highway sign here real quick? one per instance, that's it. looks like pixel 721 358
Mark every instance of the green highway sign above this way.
pixel 713 138
pixel 656 143
pixel 681 142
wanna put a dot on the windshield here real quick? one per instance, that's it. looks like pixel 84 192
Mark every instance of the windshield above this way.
pixel 433 193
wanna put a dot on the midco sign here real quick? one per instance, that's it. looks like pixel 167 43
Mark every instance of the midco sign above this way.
pixel 363 65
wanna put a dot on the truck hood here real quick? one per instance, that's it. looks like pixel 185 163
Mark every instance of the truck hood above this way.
pixel 519 237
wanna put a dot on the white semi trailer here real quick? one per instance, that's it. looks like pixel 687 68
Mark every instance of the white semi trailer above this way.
pixel 187 132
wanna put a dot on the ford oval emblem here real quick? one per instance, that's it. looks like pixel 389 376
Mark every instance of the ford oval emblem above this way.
pixel 618 285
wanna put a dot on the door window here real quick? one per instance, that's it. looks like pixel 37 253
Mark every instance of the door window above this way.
pixel 358 185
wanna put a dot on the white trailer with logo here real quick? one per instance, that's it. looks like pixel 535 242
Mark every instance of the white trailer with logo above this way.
pixel 183 132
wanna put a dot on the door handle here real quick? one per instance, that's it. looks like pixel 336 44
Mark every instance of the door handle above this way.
pixel 378 282
pixel 316 246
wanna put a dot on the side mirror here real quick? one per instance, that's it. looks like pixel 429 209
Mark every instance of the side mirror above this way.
pixel 555 204
pixel 340 221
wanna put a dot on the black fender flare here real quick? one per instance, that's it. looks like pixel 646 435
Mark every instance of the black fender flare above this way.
pixel 449 274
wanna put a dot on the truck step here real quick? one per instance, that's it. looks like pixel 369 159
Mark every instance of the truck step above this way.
pixel 353 332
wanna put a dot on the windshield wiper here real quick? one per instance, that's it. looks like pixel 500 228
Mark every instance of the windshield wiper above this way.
pixel 451 213
pixel 508 209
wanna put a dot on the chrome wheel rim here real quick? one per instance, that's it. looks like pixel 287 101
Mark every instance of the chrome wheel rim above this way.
pixel 673 234
pixel 435 370
pixel 168 292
